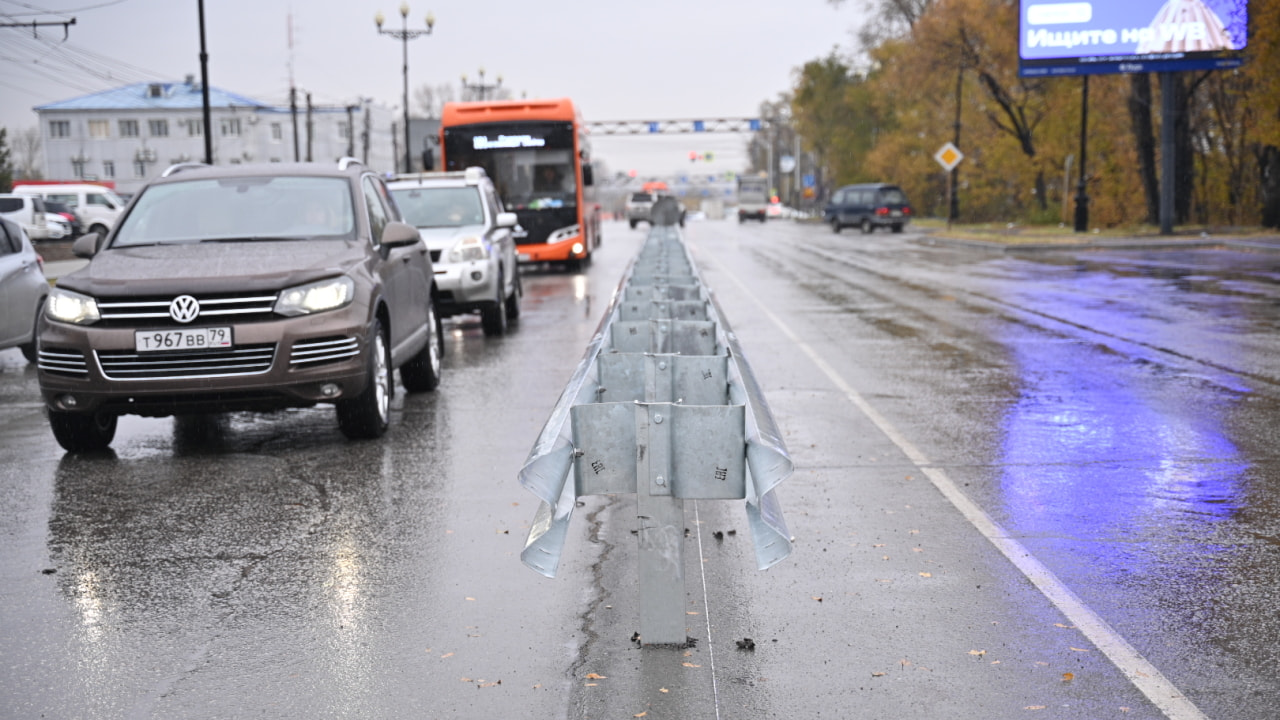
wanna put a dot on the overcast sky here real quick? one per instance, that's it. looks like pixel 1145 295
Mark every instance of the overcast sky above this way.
pixel 652 60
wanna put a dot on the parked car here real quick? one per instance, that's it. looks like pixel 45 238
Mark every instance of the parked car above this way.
pixel 638 205
pixel 27 211
pixel 242 288
pixel 23 289
pixel 57 226
pixel 53 207
pixel 98 206
pixel 473 249
pixel 868 206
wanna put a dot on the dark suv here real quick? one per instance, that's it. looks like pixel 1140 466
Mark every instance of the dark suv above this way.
pixel 242 288
pixel 868 207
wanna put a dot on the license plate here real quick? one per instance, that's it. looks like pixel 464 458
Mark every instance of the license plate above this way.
pixel 182 339
pixel 896 213
pixel 525 257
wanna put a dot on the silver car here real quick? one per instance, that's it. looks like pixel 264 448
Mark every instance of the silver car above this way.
pixel 23 289
pixel 472 243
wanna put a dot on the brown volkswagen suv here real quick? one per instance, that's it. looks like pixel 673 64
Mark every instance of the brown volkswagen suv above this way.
pixel 242 288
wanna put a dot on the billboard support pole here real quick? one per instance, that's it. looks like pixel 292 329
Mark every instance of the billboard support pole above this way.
pixel 1168 155
pixel 1082 196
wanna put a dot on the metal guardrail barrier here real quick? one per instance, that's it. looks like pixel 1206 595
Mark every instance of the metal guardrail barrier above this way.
pixel 663 405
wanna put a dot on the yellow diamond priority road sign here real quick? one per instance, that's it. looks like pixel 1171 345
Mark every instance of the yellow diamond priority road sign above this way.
pixel 948 156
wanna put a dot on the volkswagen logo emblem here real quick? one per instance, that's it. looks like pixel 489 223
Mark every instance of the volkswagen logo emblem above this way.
pixel 184 309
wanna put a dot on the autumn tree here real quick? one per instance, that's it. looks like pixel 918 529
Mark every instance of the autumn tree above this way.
pixel 6 169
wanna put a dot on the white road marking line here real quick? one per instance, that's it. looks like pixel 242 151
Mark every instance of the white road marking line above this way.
pixel 1144 676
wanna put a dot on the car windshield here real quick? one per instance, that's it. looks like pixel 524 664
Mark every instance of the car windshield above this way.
pixel 642 197
pixel 428 207
pixel 243 209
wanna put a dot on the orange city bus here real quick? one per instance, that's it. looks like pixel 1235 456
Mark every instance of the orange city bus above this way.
pixel 537 155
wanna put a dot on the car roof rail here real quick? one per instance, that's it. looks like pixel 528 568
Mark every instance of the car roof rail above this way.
pixel 346 162
pixel 472 175
pixel 179 167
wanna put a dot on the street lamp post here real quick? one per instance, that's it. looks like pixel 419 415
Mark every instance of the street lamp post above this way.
pixel 405 35
pixel 480 89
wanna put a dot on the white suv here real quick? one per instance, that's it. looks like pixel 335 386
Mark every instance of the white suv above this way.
pixel 473 248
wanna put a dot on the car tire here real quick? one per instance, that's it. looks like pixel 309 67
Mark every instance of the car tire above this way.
pixel 835 227
pixel 368 414
pixel 896 227
pixel 493 316
pixel 98 228
pixel 513 300
pixel 83 432
pixel 422 372
pixel 29 350
pixel 633 224
pixel 867 227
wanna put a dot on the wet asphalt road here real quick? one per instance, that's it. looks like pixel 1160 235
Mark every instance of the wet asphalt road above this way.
pixel 1026 486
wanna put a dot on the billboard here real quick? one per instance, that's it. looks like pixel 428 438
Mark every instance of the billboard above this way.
pixel 1114 36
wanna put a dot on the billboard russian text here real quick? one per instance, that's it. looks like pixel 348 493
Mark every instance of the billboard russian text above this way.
pixel 1077 38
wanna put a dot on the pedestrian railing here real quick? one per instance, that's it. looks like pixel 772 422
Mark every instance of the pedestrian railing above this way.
pixel 663 405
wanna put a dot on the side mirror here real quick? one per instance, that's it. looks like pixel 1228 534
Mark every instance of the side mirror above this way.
pixel 428 159
pixel 398 234
pixel 507 220
pixel 588 175
pixel 86 246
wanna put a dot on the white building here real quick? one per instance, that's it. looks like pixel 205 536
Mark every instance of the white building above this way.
pixel 132 133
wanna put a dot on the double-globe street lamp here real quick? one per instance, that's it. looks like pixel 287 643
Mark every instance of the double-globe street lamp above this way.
pixel 405 35
pixel 480 90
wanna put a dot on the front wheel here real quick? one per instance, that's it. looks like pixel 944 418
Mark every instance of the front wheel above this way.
pixel 422 372
pixel 835 226
pixel 493 316
pixel 513 300
pixel 368 414
pixel 83 432
pixel 867 227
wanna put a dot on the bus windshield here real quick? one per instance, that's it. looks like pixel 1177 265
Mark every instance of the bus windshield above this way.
pixel 531 164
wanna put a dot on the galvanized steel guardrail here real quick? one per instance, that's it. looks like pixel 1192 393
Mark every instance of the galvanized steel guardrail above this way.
pixel 663 405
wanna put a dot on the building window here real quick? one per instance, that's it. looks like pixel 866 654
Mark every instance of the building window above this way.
pixel 99 129
pixel 60 128
pixel 231 126
pixel 77 167
pixel 195 128
pixel 128 128
pixel 158 128
pixel 277 132
pixel 109 168
pixel 139 168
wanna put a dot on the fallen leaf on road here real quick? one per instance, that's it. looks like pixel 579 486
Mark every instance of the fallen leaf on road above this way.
pixel 1080 649
pixel 979 653
pixel 691 665
pixel 877 674
pixel 594 676
pixel 926 574
pixel 446 655
pixel 646 712
pixel 1034 707
pixel 663 690
pixel 1068 677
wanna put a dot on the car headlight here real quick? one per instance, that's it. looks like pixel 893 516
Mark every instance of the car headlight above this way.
pixel 467 249
pixel 71 307
pixel 316 297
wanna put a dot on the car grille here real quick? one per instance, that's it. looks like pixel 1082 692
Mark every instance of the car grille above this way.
pixel 323 350
pixel 241 360
pixel 155 310
pixel 62 362
pixel 435 255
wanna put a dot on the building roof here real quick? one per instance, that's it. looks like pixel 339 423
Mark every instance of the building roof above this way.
pixel 156 96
